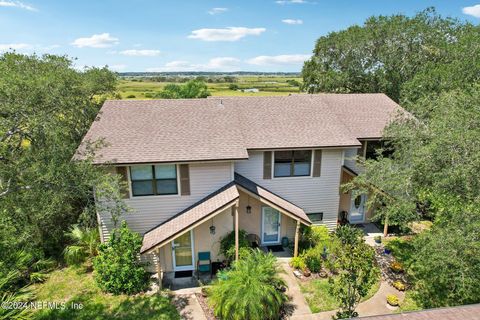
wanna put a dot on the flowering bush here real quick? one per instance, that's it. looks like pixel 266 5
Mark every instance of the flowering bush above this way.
pixel 396 267
pixel 399 285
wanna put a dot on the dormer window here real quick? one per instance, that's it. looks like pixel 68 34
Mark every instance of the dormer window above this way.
pixel 292 163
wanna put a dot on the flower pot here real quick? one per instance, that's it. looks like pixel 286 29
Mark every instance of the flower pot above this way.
pixel 387 251
pixel 307 273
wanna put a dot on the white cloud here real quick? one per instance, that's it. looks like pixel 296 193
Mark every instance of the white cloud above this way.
pixel 215 11
pixel 140 53
pixel 14 46
pixel 292 21
pixel 472 11
pixel 279 60
pixel 16 4
pixel 103 40
pixel 225 34
pixel 290 1
pixel 215 64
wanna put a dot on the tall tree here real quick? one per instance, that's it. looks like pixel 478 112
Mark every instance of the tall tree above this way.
pixel 387 52
pixel 192 89
pixel 46 106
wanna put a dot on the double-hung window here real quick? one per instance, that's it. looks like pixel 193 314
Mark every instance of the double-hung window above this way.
pixel 151 180
pixel 293 163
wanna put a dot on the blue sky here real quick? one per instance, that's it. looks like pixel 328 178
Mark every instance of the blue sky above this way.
pixel 148 35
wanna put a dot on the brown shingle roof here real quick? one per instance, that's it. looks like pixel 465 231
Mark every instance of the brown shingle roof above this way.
pixel 143 131
pixel 263 193
pixel 468 312
pixel 221 199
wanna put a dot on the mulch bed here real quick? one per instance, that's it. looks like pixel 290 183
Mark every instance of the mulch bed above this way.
pixel 384 260
pixel 207 310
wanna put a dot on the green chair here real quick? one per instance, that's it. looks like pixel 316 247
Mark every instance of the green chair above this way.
pixel 202 266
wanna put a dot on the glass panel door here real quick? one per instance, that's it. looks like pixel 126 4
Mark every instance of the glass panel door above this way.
pixel 270 225
pixel 182 252
pixel 357 209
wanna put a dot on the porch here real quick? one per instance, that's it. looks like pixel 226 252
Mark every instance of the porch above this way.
pixel 176 246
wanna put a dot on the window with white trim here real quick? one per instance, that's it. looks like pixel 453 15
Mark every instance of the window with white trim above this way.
pixel 149 180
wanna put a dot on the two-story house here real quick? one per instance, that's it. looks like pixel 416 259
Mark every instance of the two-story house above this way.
pixel 199 168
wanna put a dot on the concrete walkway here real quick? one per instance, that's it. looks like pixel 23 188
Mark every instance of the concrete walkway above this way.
pixel 298 302
pixel 188 306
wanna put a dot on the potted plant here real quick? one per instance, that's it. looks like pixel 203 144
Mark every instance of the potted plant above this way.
pixel 399 285
pixel 396 267
pixel 378 239
pixel 387 251
pixel 392 300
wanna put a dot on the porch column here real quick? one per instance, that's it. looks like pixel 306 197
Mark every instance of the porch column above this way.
pixel 297 233
pixel 159 268
pixel 236 231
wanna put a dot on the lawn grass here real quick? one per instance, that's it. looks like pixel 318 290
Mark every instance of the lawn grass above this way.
pixel 268 86
pixel 408 303
pixel 74 285
pixel 318 296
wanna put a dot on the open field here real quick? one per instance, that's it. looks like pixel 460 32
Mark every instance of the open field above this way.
pixel 144 88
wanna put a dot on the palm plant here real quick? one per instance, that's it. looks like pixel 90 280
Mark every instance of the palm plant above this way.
pixel 9 296
pixel 84 245
pixel 251 290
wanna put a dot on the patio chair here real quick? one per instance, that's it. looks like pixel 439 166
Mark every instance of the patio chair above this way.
pixel 202 266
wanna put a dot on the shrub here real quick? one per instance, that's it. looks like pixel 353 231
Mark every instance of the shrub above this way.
pixel 313 236
pixel 396 267
pixel 297 263
pixel 378 239
pixel 131 96
pixel 250 290
pixel 313 259
pixel 233 86
pixel 399 285
pixel 392 300
pixel 227 244
pixel 84 245
pixel 117 267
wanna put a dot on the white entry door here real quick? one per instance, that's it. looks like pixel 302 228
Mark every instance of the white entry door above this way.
pixel 357 209
pixel 182 252
pixel 270 226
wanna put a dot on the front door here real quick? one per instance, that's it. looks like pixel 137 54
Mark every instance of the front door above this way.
pixel 182 251
pixel 357 209
pixel 270 225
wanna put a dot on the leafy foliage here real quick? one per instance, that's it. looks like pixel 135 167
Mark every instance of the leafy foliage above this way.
pixel 117 267
pixel 191 89
pixel 251 290
pixel 313 259
pixel 46 107
pixel 84 246
pixel 298 263
pixel 9 295
pixel 446 266
pixel 403 57
pixel 227 244
pixel 357 270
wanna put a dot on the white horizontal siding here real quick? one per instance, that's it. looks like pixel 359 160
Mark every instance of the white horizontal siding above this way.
pixel 319 194
pixel 149 211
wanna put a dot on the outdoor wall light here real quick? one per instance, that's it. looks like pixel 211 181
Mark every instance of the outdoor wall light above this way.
pixel 249 209
pixel 212 228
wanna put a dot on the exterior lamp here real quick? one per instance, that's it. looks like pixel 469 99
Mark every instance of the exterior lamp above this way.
pixel 212 228
pixel 249 208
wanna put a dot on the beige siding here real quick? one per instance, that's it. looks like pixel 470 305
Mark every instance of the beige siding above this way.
pixel 312 194
pixel 148 212
pixel 252 222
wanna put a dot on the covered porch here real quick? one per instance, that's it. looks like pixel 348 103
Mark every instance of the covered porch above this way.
pixel 178 246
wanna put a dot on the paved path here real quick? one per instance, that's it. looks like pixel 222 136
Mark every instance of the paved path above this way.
pixel 298 301
pixel 188 306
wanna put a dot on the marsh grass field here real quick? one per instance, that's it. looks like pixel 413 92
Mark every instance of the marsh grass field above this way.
pixel 146 88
